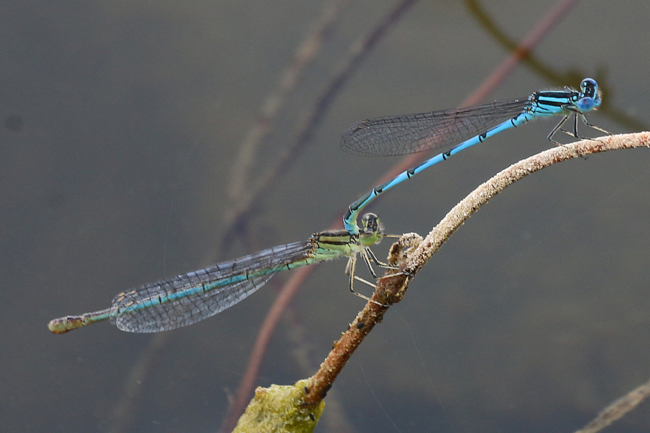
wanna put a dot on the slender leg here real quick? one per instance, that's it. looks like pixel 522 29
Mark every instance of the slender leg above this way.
pixel 586 122
pixel 373 258
pixel 554 130
pixel 349 270
pixel 367 256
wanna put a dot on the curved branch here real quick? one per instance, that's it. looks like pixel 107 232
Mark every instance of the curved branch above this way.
pixel 392 287
pixel 481 195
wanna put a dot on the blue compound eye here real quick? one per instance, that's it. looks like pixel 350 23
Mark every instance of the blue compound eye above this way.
pixel 589 88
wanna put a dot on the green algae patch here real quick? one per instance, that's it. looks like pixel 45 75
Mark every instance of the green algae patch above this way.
pixel 280 409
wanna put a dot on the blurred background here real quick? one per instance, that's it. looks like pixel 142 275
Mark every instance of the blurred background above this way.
pixel 121 162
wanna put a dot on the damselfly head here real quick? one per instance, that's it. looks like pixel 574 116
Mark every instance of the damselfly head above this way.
pixel 371 231
pixel 590 95
pixel 370 223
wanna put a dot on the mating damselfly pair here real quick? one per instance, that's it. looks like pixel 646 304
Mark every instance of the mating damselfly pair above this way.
pixel 188 298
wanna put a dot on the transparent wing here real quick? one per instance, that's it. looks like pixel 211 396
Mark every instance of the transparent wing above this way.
pixel 189 298
pixel 399 135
